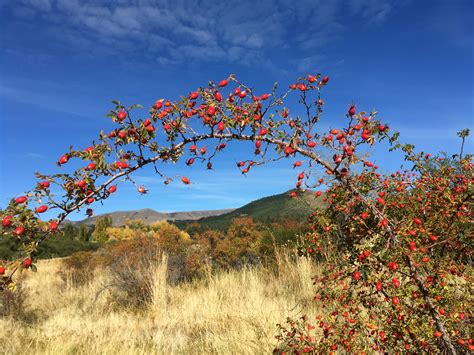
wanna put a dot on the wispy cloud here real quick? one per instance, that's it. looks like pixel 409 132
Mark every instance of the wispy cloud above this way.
pixel 33 155
pixel 40 94
pixel 174 32
pixel 373 11
pixel 452 20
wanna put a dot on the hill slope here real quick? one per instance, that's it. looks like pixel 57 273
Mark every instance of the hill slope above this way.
pixel 267 209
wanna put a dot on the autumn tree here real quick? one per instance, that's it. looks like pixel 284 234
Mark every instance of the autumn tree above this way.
pixel 240 245
pixel 171 238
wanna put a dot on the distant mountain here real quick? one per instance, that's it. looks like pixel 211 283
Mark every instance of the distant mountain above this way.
pixel 149 216
pixel 267 209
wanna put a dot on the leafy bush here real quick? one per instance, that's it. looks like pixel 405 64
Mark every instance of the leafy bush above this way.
pixel 200 255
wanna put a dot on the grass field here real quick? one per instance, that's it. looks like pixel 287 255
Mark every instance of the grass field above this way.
pixel 232 312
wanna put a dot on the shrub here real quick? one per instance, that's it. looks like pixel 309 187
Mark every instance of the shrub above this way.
pixel 397 256
pixel 240 246
pixel 132 270
pixel 13 304
pixel 200 256
pixel 79 268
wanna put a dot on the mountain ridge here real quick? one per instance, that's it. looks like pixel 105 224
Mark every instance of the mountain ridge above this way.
pixel 268 208
pixel 149 216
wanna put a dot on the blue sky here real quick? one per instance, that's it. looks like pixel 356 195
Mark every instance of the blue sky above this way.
pixel 62 61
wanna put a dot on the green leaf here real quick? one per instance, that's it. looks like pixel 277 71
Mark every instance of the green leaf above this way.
pixel 33 268
pixel 394 137
pixel 464 133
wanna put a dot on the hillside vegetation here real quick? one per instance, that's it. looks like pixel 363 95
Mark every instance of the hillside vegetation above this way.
pixel 283 213
pixel 268 209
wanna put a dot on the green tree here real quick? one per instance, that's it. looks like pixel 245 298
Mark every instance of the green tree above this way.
pixel 100 231
pixel 84 233
pixel 136 224
pixel 69 231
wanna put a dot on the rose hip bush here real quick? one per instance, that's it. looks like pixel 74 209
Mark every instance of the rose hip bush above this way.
pixel 396 247
pixel 397 258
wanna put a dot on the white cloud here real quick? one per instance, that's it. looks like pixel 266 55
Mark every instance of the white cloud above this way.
pixel 186 30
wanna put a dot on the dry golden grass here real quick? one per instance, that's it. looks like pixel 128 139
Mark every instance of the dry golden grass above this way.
pixel 227 313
